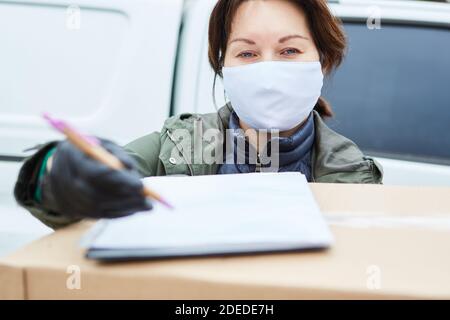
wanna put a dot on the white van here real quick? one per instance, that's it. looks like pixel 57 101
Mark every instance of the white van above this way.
pixel 105 64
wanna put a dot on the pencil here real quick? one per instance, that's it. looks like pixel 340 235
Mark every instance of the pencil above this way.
pixel 92 147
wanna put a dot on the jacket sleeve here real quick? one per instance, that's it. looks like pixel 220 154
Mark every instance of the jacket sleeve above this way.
pixel 145 151
pixel 366 171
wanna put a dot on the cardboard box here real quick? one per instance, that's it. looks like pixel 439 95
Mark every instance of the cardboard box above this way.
pixel 391 242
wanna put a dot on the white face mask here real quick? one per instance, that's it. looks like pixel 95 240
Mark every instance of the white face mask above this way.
pixel 273 94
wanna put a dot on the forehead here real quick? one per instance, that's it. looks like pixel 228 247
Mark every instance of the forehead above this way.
pixel 269 17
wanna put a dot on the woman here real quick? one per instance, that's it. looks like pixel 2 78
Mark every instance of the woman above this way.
pixel 272 55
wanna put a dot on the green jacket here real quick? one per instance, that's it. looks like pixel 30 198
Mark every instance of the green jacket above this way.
pixel 335 159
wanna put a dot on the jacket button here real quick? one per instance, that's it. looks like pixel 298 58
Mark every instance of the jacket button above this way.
pixel 173 161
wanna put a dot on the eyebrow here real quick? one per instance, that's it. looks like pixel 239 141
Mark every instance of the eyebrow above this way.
pixel 243 40
pixel 292 36
pixel 281 40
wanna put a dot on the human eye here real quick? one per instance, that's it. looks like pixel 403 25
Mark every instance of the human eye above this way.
pixel 290 52
pixel 246 55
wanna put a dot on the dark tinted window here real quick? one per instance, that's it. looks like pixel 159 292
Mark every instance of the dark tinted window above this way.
pixel 392 94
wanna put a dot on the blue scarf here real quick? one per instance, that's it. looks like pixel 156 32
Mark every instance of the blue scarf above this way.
pixel 294 151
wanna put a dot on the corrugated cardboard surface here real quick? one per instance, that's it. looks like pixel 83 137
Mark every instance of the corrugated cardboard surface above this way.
pixel 392 261
pixel 12 282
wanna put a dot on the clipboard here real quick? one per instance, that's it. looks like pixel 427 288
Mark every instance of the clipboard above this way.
pixel 216 215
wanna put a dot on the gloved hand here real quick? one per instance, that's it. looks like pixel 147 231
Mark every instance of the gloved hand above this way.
pixel 80 187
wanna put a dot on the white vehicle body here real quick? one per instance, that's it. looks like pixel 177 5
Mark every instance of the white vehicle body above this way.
pixel 119 68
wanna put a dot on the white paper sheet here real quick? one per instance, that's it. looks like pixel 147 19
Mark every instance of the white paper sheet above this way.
pixel 257 209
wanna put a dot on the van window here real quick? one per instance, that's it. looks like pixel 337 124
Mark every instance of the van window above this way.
pixel 392 94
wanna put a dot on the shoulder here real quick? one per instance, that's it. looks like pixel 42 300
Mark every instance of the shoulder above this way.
pixel 213 120
pixel 337 159
pixel 153 152
pixel 145 151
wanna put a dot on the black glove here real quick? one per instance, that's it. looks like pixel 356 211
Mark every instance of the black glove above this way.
pixel 80 187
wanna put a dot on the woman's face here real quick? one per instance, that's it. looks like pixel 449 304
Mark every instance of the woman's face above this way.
pixel 270 30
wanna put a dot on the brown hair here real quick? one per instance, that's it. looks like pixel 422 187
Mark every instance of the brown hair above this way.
pixel 326 29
